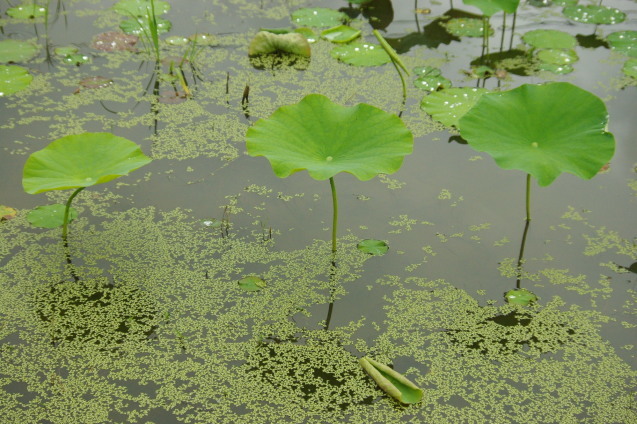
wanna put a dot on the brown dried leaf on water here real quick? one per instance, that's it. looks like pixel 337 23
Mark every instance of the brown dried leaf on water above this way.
pixel 113 41
pixel 7 213
pixel 172 97
pixel 93 82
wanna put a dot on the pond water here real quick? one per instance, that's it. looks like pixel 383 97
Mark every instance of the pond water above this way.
pixel 144 321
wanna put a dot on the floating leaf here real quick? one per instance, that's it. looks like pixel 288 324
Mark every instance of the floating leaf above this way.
pixel 521 297
pixel 81 160
pixel 307 33
pixel 177 40
pixel 549 39
pixel 326 138
pixel 251 283
pixel 341 34
pixel 13 78
pixel 394 384
pixel 373 247
pixel 76 59
pixel 558 56
pixel 624 42
pixel 449 105
pixel 426 71
pixel 318 17
pixel 630 68
pixel 140 26
pixel 7 213
pixel 63 51
pixel 466 27
pixel 541 129
pixel 491 7
pixel 361 54
pixel 203 39
pixel 50 216
pixel 432 83
pixel 592 14
pixel 96 82
pixel 114 41
pixel 27 11
pixel 556 69
pixel 267 42
pixel 143 8
pixel 17 51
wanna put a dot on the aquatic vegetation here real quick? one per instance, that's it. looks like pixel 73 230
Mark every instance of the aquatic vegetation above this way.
pixel 361 54
pixel 251 283
pixel 429 78
pixel 450 104
pixel 13 78
pixel 549 39
pixel 7 213
pixel 14 51
pixel 522 297
pixel 318 17
pixel 594 14
pixel 394 384
pixel 27 11
pixel 373 247
pixel 340 34
pixel 467 27
pixel 112 41
pixel 624 42
pixel 267 42
pixel 50 216
pixel 325 139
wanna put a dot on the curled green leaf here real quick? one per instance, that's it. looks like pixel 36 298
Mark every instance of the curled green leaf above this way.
pixel 393 383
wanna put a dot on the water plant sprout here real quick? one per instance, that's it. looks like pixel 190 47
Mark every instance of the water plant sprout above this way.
pixel 395 60
pixel 326 138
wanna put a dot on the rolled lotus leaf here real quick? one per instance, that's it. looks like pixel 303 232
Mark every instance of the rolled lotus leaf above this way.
pixel 267 42
pixel 394 384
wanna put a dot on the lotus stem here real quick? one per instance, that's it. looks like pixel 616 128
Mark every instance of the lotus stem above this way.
pixel 65 225
pixel 515 15
pixel 335 214
pixel 395 60
pixel 526 229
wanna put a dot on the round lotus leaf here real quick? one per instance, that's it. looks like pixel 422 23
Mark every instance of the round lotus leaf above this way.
pixel 466 27
pixel 558 56
pixel 426 71
pixel 27 11
pixel 326 138
pixel 624 42
pixel 114 41
pixel 81 160
pixel 549 39
pixel 66 50
pixel 17 51
pixel 361 54
pixel 520 297
pixel 630 68
pixel 592 14
pixel 307 33
pixel 252 283
pixel 491 7
pixel 50 216
pixel 13 78
pixel 96 82
pixel 318 17
pixel 543 130
pixel 76 59
pixel 139 26
pixel 449 105
pixel 373 247
pixel 432 83
pixel 341 34
pixel 556 69
pixel 130 8
pixel 267 42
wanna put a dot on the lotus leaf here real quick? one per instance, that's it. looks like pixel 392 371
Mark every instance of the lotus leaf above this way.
pixel 81 160
pixel 76 59
pixel 373 247
pixel 624 42
pixel 326 138
pixel 139 26
pixel 307 33
pixel 432 83
pixel 341 34
pixel 251 283
pixel 558 56
pixel 13 78
pixel 177 40
pixel 63 51
pixel 50 216
pixel 426 71
pixel 318 17
pixel 449 105
pixel 556 69
pixel 17 51
pixel 592 14
pixel 549 39
pixel 267 42
pixel 393 383
pixel 630 68
pixel 543 130
pixel 140 7
pixel 361 54
pixel 491 7
pixel 522 297
pixel 96 82
pixel 114 41
pixel 466 27
pixel 27 11
pixel 203 39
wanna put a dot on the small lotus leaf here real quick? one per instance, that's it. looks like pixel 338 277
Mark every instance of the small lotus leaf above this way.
pixel 13 78
pixel 17 51
pixel 593 14
pixel 307 33
pixel 558 56
pixel 361 54
pixel 466 27
pixel 252 283
pixel 491 7
pixel 130 8
pixel 76 59
pixel 543 130
pixel 521 297
pixel 318 17
pixel 393 383
pixel 373 247
pixel 630 68
pixel 177 40
pixel 267 42
pixel 81 160
pixel 114 41
pixel 96 82
pixel 556 69
pixel 139 26
pixel 549 39
pixel 326 138
pixel 449 105
pixel 27 11
pixel 432 83
pixel 7 213
pixel 426 71
pixel 624 42
pixel 50 216
pixel 203 39
pixel 341 34
pixel 63 51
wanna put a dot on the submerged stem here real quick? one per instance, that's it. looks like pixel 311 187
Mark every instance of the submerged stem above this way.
pixel 65 225
pixel 335 214
pixel 526 229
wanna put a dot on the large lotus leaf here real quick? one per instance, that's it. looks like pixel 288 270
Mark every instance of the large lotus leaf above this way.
pixel 466 27
pixel 491 7
pixel 81 160
pixel 13 78
pixel 624 42
pixel 318 17
pixel 17 51
pixel 592 14
pixel 267 42
pixel 361 54
pixel 542 129
pixel 141 7
pixel 449 105
pixel 326 138
pixel 549 39
pixel 139 26
pixel 27 11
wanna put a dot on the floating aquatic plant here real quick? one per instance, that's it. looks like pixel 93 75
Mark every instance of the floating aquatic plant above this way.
pixel 113 41
pixel 393 383
pixel 251 283
pixel 466 27
pixel 624 42
pixel 630 68
pixel 12 51
pixel 593 14
pixel 27 11
pixel 50 216
pixel 373 247
pixel 558 56
pixel 449 105
pixel 341 34
pixel 549 39
pixel 361 54
pixel 325 139
pixel 491 7
pixel 141 7
pixel 318 17
pixel 13 78
pixel 267 42
pixel 7 213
